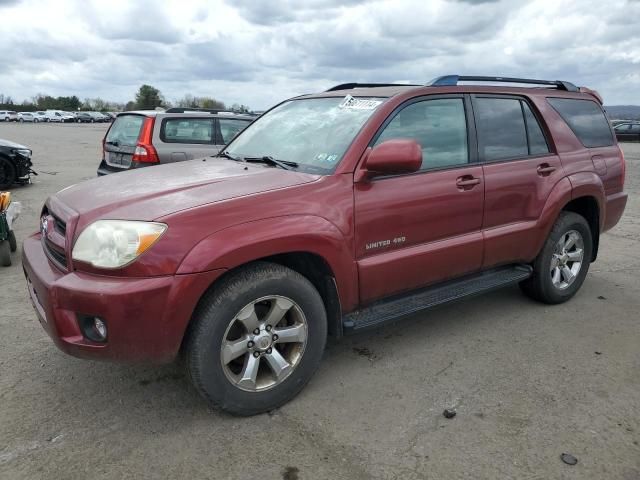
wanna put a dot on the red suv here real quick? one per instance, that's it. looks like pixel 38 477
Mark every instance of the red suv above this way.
pixel 331 213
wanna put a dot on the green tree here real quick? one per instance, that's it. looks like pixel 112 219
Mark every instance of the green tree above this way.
pixel 148 98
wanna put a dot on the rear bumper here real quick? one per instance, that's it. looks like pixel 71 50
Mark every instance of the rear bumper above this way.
pixel 614 209
pixel 105 169
pixel 146 317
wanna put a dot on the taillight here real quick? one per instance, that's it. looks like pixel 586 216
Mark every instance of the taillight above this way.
pixel 145 152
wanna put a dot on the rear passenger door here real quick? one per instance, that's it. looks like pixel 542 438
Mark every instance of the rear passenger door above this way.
pixel 186 138
pixel 519 173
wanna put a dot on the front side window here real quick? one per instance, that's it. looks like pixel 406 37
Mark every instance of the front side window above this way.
pixel 438 125
pixel 623 128
pixel 187 130
pixel 313 132
pixel 586 119
pixel 229 128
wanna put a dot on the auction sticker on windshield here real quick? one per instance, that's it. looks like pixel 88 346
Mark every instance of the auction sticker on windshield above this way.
pixel 359 103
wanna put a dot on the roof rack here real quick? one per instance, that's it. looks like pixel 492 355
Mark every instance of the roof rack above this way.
pixel 349 86
pixel 451 80
pixel 195 109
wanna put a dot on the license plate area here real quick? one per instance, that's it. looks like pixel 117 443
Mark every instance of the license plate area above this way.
pixel 118 159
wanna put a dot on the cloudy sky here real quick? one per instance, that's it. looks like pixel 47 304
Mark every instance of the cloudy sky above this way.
pixel 259 52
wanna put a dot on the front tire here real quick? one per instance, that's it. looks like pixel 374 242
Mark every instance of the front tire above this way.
pixel 13 243
pixel 562 265
pixel 7 173
pixel 5 254
pixel 257 338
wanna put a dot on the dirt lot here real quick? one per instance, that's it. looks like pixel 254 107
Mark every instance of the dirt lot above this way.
pixel 529 382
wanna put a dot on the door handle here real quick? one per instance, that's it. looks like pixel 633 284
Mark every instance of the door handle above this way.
pixel 545 169
pixel 467 182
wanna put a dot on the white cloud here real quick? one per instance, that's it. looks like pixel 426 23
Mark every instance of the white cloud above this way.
pixel 258 53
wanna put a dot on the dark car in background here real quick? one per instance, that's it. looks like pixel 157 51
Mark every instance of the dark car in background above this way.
pixel 627 131
pixel 147 137
pixel 84 117
pixel 15 163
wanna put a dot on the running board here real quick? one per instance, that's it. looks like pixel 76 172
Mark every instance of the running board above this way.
pixel 390 309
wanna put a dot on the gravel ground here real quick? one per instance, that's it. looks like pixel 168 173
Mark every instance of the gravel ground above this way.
pixel 528 381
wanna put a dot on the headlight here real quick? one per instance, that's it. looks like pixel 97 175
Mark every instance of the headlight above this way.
pixel 25 152
pixel 115 243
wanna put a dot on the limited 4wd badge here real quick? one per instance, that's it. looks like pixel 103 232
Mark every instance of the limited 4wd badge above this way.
pixel 359 103
pixel 385 243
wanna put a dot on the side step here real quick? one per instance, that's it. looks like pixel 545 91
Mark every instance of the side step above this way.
pixel 398 306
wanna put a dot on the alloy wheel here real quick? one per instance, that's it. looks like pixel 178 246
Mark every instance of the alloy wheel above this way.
pixel 567 259
pixel 264 343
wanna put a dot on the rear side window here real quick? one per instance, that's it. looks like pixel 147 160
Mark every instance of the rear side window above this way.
pixel 501 128
pixel 586 119
pixel 125 130
pixel 439 126
pixel 229 128
pixel 507 129
pixel 187 130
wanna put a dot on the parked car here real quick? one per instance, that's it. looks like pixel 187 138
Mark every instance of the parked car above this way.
pixel 84 117
pixel 8 116
pixel 331 213
pixel 41 116
pixel 27 117
pixel 15 164
pixel 59 116
pixel 628 132
pixel 148 137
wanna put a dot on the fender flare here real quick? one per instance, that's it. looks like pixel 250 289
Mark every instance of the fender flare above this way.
pixel 246 242
pixel 572 187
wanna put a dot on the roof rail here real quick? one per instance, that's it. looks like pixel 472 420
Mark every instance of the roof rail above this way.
pixel 451 80
pixel 349 86
pixel 195 109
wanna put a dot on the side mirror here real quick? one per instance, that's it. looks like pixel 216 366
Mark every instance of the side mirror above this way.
pixel 394 156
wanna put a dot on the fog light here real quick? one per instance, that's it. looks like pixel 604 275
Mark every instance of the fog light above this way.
pixel 100 328
pixel 93 328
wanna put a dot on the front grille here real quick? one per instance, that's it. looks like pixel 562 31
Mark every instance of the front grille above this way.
pixel 56 255
pixel 59 225
pixel 54 241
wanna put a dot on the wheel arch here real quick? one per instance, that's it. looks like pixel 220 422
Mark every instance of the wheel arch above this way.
pixel 588 207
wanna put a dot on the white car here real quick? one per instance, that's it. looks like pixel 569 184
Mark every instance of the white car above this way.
pixel 27 117
pixel 41 116
pixel 8 116
pixel 58 116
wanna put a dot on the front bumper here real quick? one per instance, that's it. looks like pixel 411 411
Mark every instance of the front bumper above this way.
pixel 146 317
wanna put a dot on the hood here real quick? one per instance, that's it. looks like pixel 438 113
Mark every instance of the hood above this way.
pixel 7 143
pixel 153 192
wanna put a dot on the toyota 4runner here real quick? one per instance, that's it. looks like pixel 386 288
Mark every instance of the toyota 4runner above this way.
pixel 331 213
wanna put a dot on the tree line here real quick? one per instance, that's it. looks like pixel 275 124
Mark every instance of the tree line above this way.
pixel 146 98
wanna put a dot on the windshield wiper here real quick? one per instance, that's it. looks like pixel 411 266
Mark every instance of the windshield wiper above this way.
pixel 286 164
pixel 226 155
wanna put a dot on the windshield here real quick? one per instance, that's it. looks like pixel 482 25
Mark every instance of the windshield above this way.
pixel 314 132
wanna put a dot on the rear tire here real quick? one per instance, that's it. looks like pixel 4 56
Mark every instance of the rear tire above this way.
pixel 561 267
pixel 13 244
pixel 7 173
pixel 5 254
pixel 282 319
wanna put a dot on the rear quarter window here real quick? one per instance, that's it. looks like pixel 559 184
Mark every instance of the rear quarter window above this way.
pixel 586 119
